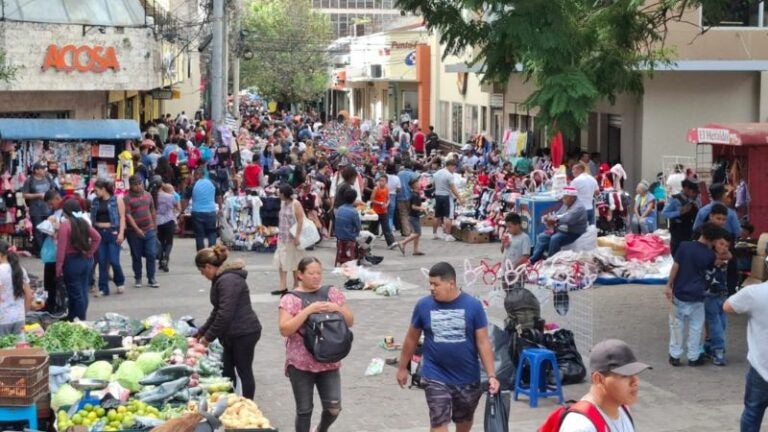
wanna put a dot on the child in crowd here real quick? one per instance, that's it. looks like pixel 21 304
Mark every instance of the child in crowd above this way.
pixel 348 226
pixel 687 288
pixel 717 293
pixel 48 252
pixel 417 208
pixel 516 246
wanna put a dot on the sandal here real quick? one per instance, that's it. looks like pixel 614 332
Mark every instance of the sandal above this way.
pixel 402 249
pixel 418 254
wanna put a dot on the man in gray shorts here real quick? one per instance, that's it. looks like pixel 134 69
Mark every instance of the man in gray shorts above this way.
pixel 445 192
pixel 455 331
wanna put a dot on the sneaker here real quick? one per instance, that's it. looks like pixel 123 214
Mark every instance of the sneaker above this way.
pixel 698 362
pixel 137 284
pixel 436 237
pixel 449 238
pixel 153 284
pixel 392 246
pixel 718 359
pixel 120 289
pixel 675 362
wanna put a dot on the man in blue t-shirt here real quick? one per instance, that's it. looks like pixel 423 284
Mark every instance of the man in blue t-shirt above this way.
pixel 687 289
pixel 455 332
pixel 204 198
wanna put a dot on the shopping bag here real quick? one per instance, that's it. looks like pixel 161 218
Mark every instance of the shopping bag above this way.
pixel 497 412
pixel 309 234
pixel 226 232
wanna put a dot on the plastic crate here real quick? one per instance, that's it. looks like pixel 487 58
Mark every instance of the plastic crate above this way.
pixel 23 380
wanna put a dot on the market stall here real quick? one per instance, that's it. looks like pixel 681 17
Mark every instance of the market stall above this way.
pixel 118 374
pixel 736 154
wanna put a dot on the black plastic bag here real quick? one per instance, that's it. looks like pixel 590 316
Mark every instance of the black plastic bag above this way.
pixel 569 361
pixel 497 412
pixel 505 368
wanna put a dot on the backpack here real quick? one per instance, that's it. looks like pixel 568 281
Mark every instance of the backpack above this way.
pixel 326 335
pixel 587 409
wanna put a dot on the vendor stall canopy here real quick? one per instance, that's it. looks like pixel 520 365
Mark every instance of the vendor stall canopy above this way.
pixel 68 130
pixel 118 13
pixel 736 134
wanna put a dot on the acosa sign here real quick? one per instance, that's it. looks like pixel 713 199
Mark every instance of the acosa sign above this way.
pixel 83 58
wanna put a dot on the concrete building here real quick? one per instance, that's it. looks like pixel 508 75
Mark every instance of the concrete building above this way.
pixel 718 76
pixel 88 61
pixel 357 17
pixel 382 80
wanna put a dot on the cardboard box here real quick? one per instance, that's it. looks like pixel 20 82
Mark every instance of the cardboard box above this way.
pixel 758 268
pixel 470 236
pixel 428 221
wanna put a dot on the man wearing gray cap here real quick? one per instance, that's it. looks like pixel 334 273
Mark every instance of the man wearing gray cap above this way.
pixel 615 384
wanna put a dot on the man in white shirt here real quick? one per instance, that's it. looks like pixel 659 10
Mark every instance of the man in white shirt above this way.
pixel 615 385
pixel 445 193
pixel 587 188
pixel 675 181
pixel 753 301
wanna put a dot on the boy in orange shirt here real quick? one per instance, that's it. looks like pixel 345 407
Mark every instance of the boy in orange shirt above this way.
pixel 379 204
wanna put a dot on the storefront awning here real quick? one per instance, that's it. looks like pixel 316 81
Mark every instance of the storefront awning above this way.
pixel 68 130
pixel 737 134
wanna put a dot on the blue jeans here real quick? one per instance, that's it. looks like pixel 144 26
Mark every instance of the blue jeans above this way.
pixel 205 228
pixel 109 254
pixel 694 313
pixel 552 243
pixel 143 248
pixel 716 323
pixel 591 216
pixel 755 401
pixel 77 269
pixel 391 210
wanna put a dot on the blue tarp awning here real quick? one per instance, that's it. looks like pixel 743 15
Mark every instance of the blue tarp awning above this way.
pixel 68 130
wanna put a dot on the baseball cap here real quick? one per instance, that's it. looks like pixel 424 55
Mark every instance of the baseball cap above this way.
pixel 613 355
pixel 40 165
pixel 570 191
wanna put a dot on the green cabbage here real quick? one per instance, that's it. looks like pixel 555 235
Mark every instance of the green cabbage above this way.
pixel 100 370
pixel 129 374
pixel 150 362
pixel 65 396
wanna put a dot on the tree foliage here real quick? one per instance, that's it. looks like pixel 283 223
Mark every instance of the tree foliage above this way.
pixel 289 41
pixel 575 52
pixel 7 71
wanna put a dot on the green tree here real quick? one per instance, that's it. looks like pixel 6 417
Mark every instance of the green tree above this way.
pixel 575 52
pixel 289 42
pixel 7 72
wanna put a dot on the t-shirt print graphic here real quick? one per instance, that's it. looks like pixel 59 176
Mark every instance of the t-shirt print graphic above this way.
pixel 449 325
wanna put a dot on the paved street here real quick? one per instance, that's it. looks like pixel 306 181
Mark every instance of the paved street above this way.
pixel 683 399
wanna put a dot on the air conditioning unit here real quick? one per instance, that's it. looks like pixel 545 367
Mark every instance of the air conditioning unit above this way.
pixel 376 71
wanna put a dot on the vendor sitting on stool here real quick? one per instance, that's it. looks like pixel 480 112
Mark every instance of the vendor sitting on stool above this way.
pixel 563 228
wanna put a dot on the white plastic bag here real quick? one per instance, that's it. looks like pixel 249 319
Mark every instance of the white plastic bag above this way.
pixel 309 234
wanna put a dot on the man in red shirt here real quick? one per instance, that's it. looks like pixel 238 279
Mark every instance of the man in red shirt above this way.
pixel 253 175
pixel 418 141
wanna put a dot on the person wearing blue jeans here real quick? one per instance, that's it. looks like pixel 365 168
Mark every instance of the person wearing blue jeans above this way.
pixel 108 217
pixel 204 210
pixel 144 247
pixel 142 230
pixel 569 223
pixel 717 322
pixel 77 241
pixel 753 302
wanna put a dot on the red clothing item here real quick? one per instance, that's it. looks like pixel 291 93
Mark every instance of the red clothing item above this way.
pixel 482 179
pixel 418 141
pixel 380 195
pixel 556 150
pixel 64 248
pixel 251 175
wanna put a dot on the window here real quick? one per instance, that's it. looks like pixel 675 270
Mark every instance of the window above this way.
pixel 484 119
pixel 456 122
pixel 740 13
pixel 470 122
pixel 443 119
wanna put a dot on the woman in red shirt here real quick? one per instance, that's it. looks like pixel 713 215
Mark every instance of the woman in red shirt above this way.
pixel 252 174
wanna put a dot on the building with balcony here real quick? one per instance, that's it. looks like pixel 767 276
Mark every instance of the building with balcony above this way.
pixel 357 17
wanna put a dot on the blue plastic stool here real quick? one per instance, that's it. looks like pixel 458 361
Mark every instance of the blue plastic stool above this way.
pixel 536 357
pixel 20 413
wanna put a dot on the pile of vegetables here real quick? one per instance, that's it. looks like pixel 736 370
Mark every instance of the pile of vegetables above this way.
pixel 63 337
pixel 241 413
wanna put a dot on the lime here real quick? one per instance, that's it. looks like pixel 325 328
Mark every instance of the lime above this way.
pixel 121 409
pixel 77 419
pixel 88 407
pixel 100 411
pixel 92 415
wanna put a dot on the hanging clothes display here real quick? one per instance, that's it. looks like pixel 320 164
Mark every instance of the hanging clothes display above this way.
pixel 556 149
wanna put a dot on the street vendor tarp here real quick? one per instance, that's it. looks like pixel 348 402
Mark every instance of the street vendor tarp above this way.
pixel 737 134
pixel 68 130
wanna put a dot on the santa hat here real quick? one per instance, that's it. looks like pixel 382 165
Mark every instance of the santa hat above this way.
pixel 570 191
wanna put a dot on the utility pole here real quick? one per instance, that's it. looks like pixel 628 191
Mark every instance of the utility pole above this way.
pixel 217 78
pixel 237 16
pixel 225 62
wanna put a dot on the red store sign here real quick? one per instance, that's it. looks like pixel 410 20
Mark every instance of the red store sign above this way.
pixel 85 58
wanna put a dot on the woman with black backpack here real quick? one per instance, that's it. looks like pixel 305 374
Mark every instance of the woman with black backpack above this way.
pixel 307 369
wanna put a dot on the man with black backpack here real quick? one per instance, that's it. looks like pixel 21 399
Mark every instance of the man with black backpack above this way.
pixel 615 385
pixel 455 331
